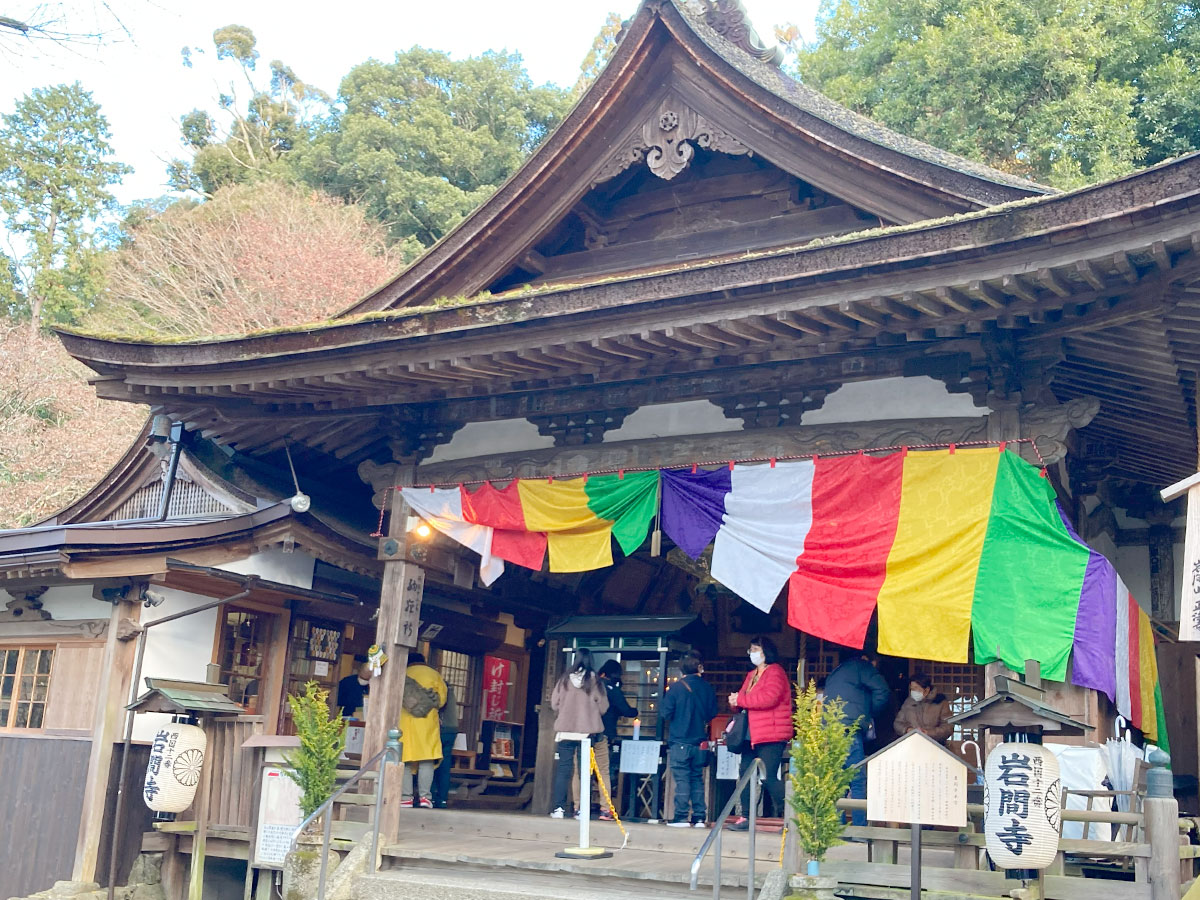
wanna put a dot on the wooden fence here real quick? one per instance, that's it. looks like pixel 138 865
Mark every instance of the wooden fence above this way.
pixel 233 781
pixel 954 862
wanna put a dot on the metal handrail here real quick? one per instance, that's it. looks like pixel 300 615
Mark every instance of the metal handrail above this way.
pixel 714 836
pixel 390 749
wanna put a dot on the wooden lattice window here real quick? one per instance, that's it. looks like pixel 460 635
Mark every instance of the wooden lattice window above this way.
pixel 24 686
pixel 460 672
pixel 963 685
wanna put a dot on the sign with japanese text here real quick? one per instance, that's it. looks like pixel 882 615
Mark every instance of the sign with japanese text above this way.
pixel 1021 820
pixel 173 770
pixel 497 679
pixel 640 757
pixel 278 818
pixel 412 587
pixel 916 780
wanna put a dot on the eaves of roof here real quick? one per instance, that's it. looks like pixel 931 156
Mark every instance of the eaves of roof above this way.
pixel 1102 209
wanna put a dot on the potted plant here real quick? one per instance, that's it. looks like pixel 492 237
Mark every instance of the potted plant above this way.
pixel 819 778
pixel 314 769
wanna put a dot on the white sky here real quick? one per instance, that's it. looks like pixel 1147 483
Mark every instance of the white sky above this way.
pixel 143 87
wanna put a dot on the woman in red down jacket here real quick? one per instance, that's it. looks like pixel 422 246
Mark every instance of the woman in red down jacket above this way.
pixel 767 695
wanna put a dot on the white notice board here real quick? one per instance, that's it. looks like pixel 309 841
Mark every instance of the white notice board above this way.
pixel 728 764
pixel 278 817
pixel 640 757
pixel 916 780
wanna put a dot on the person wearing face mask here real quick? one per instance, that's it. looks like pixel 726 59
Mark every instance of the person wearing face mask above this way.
pixel 579 703
pixel 618 708
pixel 924 711
pixel 353 690
pixel 766 694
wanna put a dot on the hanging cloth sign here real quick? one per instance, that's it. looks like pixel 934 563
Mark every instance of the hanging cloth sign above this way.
pixel 1021 818
pixel 176 760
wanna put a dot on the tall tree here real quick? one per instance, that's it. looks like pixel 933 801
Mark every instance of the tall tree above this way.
pixel 1063 91
pixel 262 120
pixel 253 256
pixel 601 50
pixel 55 174
pixel 424 139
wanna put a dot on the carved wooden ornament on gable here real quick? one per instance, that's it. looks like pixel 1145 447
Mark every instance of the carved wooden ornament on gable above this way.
pixel 665 141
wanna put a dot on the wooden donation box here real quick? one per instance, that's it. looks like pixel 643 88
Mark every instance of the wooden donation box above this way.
pixel 918 781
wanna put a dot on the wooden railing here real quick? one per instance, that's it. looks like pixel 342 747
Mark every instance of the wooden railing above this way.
pixel 955 862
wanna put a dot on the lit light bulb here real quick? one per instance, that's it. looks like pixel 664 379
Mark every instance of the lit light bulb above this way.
pixel 423 531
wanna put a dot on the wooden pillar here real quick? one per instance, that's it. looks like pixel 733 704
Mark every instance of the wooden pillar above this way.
pixel 395 633
pixel 1161 815
pixel 107 728
pixel 1189 602
pixel 543 771
pixel 200 838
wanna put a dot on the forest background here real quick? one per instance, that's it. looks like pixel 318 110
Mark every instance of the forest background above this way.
pixel 287 204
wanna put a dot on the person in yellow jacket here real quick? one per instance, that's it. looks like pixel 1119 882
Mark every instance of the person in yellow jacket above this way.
pixel 420 733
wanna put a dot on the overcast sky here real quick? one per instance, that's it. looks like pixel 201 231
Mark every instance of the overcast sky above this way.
pixel 143 87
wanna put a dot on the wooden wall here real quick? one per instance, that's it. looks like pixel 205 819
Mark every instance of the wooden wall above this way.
pixel 41 795
pixel 138 817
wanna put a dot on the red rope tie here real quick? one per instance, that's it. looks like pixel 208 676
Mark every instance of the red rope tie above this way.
pixel 693 468
pixel 731 465
pixel 952 448
pixel 1003 446
pixel 585 477
pixel 620 474
pixel 904 451
pixel 550 480
pixel 773 462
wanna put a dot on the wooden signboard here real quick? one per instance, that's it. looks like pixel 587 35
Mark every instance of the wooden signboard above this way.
pixel 918 781
pixel 278 817
pixel 412 585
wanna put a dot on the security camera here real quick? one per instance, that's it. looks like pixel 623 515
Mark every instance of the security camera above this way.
pixel 152 598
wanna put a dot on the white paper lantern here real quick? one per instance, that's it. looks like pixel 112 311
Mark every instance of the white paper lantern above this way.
pixel 176 759
pixel 1021 820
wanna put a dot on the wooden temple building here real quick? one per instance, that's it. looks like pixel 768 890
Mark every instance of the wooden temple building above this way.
pixel 706 261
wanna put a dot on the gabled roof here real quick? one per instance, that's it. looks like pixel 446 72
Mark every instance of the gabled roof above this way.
pixel 1105 276
pixel 673 82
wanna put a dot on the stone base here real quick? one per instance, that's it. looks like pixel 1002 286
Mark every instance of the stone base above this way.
pixel 813 887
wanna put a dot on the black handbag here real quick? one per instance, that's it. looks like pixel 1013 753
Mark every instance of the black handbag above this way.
pixel 737 733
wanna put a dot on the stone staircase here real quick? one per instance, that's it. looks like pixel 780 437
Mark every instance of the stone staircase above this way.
pixel 497 856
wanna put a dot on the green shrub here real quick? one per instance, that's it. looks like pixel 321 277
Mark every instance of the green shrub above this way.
pixel 818 774
pixel 322 738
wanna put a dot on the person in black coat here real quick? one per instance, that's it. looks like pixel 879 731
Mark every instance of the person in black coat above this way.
pixel 618 708
pixel 687 709
pixel 865 693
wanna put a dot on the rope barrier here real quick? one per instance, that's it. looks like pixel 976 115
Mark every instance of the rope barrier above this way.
pixel 586 802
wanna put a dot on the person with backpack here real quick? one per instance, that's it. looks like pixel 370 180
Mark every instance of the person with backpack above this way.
pixel 579 703
pixel 424 695
pixel 687 709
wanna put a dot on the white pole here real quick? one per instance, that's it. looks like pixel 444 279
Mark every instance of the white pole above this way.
pixel 585 792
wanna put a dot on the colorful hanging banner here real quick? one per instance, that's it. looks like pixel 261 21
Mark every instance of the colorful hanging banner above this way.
pixel 948 546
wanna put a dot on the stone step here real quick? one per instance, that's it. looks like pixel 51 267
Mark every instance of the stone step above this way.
pixel 468 883
pixel 650 867
pixel 461 828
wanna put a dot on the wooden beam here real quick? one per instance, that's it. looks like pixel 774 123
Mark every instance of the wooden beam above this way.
pixel 1161 256
pixel 1090 275
pixel 861 312
pixel 802 324
pixel 1050 280
pixel 922 304
pixel 1015 286
pixel 1124 267
pixel 891 308
pixel 954 299
pixel 981 290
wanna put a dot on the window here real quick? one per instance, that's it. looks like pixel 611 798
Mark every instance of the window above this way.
pixel 242 650
pixel 459 671
pixel 24 686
